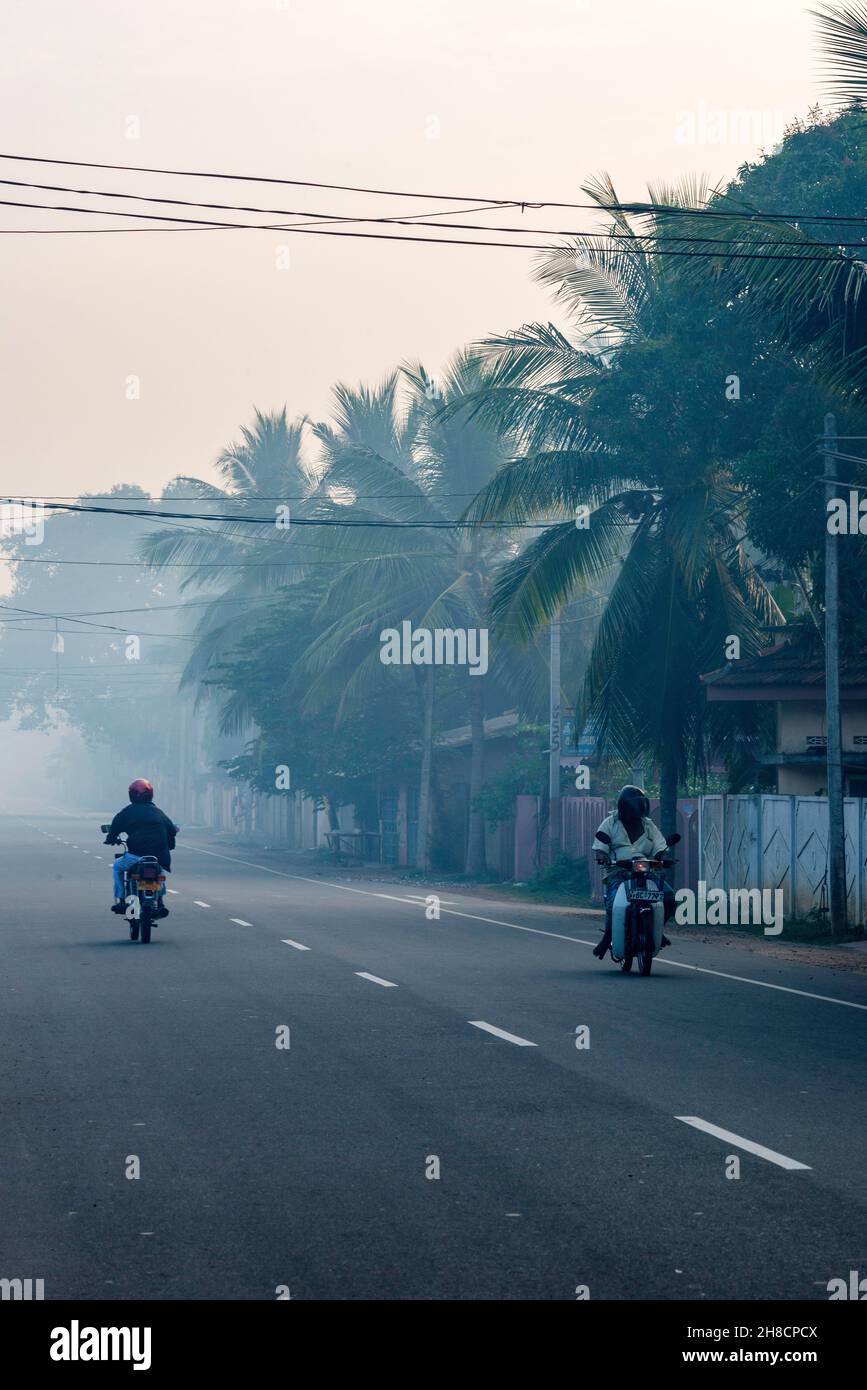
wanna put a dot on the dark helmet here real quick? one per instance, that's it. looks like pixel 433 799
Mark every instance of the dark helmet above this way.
pixel 141 790
pixel 632 802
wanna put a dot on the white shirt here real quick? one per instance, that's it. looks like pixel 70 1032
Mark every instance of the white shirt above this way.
pixel 651 842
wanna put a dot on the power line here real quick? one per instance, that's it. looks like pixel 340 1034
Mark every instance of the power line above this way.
pixel 523 203
pixel 385 236
pixel 159 608
pixel 406 220
pixel 313 217
pixel 198 564
pixel 296 521
pixel 254 178
pixel 198 497
pixel 296 230
pixel 18 625
pixel 262 226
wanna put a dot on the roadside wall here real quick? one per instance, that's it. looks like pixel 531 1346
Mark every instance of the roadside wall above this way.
pixel 774 841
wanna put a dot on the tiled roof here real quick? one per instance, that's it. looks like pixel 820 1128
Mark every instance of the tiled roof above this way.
pixel 786 664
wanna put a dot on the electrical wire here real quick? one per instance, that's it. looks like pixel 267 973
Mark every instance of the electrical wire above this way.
pixel 523 203
pixel 315 218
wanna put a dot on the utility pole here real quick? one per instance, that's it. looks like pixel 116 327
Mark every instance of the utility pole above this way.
pixel 836 823
pixel 185 810
pixel 554 746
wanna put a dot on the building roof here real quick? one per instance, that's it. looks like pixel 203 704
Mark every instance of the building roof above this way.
pixel 495 727
pixel 785 671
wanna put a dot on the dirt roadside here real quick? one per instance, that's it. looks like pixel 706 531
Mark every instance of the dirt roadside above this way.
pixel 498 898
pixel 851 957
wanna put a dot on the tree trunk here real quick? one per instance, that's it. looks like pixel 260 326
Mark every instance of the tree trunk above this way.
pixel 476 857
pixel 668 796
pixel 422 847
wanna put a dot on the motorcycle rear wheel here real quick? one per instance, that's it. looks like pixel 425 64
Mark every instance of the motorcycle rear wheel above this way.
pixel 133 931
pixel 145 922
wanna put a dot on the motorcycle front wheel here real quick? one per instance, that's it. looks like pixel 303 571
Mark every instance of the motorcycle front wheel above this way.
pixel 628 952
pixel 645 936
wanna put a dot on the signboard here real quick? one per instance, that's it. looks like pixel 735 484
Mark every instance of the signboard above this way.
pixel 567 735
pixel 587 742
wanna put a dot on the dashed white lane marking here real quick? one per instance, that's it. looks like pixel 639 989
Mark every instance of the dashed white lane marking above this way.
pixel 533 931
pixel 199 904
pixel 296 944
pixel 97 856
pixel 501 1033
pixel 172 890
pixel 740 1143
pixel 386 984
pixel 240 921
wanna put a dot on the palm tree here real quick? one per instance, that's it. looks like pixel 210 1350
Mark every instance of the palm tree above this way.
pixel 239 564
pixel 624 457
pixel 418 466
pixel 793 274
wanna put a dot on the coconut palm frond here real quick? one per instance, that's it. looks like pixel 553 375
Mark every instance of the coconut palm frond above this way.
pixel 537 355
pixel 843 37
pixel 552 482
pixel 552 569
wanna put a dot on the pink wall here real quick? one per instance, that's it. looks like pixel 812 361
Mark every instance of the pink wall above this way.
pixel 580 817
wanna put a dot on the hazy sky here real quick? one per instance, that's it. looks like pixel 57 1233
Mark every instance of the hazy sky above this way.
pixel 520 99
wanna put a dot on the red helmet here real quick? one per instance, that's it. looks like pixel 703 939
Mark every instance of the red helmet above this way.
pixel 141 790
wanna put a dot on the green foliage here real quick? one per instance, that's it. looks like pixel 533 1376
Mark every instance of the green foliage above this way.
pixel 338 760
pixel 526 773
pixel 566 875
pixel 633 423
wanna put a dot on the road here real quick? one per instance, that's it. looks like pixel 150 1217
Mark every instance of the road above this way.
pixel 306 1167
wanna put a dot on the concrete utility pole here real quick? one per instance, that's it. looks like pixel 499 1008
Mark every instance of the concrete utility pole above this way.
pixel 554 746
pixel 836 823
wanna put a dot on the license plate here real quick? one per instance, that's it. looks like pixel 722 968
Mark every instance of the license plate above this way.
pixel 645 895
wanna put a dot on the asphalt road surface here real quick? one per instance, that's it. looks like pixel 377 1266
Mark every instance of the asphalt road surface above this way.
pixel 415 1047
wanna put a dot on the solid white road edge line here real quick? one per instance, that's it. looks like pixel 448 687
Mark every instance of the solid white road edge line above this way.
pixel 739 1143
pixel 534 931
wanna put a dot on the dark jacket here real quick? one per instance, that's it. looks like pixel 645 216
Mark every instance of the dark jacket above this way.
pixel 149 831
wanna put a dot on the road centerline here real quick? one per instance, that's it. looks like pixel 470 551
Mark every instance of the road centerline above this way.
pixel 533 931
pixel 761 1151
pixel 501 1033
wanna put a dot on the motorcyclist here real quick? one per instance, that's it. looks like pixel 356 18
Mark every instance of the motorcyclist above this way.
pixel 628 831
pixel 148 831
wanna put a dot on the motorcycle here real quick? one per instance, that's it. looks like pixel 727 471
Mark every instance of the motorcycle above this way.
pixel 144 888
pixel 638 909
